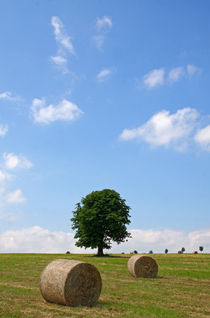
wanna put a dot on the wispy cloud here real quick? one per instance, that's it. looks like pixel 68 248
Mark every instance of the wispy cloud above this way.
pixel 39 240
pixel 15 197
pixel 99 41
pixel 4 176
pixel 159 77
pixel 192 70
pixel 12 161
pixel 61 36
pixel 65 45
pixel 61 62
pixel 202 137
pixel 103 74
pixel 64 111
pixel 8 96
pixel 176 73
pixel 154 78
pixel 103 26
pixel 165 129
pixel 3 130
pixel 104 23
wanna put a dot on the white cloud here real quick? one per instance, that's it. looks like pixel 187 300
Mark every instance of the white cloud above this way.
pixel 15 197
pixel 157 77
pixel 154 78
pixel 61 36
pixel 4 176
pixel 8 96
pixel 158 241
pixel 3 130
pixel 64 45
pixel 61 62
pixel 163 128
pixel 104 23
pixel 192 70
pixel 103 74
pixel 103 26
pixel 13 161
pixel 176 73
pixel 65 111
pixel 39 240
pixel 202 137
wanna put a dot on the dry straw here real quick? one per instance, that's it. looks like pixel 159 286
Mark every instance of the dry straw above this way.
pixel 142 266
pixel 71 283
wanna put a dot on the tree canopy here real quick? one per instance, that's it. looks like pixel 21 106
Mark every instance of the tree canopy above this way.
pixel 100 218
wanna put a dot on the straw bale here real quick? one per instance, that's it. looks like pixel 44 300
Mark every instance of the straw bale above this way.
pixel 71 283
pixel 142 266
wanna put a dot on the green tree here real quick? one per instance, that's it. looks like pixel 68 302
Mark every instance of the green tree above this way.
pixel 166 251
pixel 201 248
pixel 99 218
pixel 183 249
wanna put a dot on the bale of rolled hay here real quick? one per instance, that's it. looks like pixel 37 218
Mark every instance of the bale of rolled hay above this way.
pixel 71 283
pixel 195 252
pixel 179 252
pixel 68 252
pixel 142 266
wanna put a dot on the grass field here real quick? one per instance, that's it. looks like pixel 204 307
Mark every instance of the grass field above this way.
pixel 182 288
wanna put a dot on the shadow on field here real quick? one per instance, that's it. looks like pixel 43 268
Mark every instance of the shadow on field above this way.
pixel 101 303
pixel 100 257
pixel 110 256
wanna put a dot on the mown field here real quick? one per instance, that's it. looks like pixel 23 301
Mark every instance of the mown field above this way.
pixel 182 288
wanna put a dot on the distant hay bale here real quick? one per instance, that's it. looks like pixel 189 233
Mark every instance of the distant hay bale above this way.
pixel 68 252
pixel 70 283
pixel 195 252
pixel 142 266
pixel 179 252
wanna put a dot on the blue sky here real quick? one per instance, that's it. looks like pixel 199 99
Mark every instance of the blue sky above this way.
pixel 104 94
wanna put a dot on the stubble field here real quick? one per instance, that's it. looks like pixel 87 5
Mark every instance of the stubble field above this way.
pixel 182 288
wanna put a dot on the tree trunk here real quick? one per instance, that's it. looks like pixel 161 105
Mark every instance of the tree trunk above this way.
pixel 100 251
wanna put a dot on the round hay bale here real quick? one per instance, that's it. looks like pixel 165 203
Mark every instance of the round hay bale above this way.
pixel 195 252
pixel 142 266
pixel 70 283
